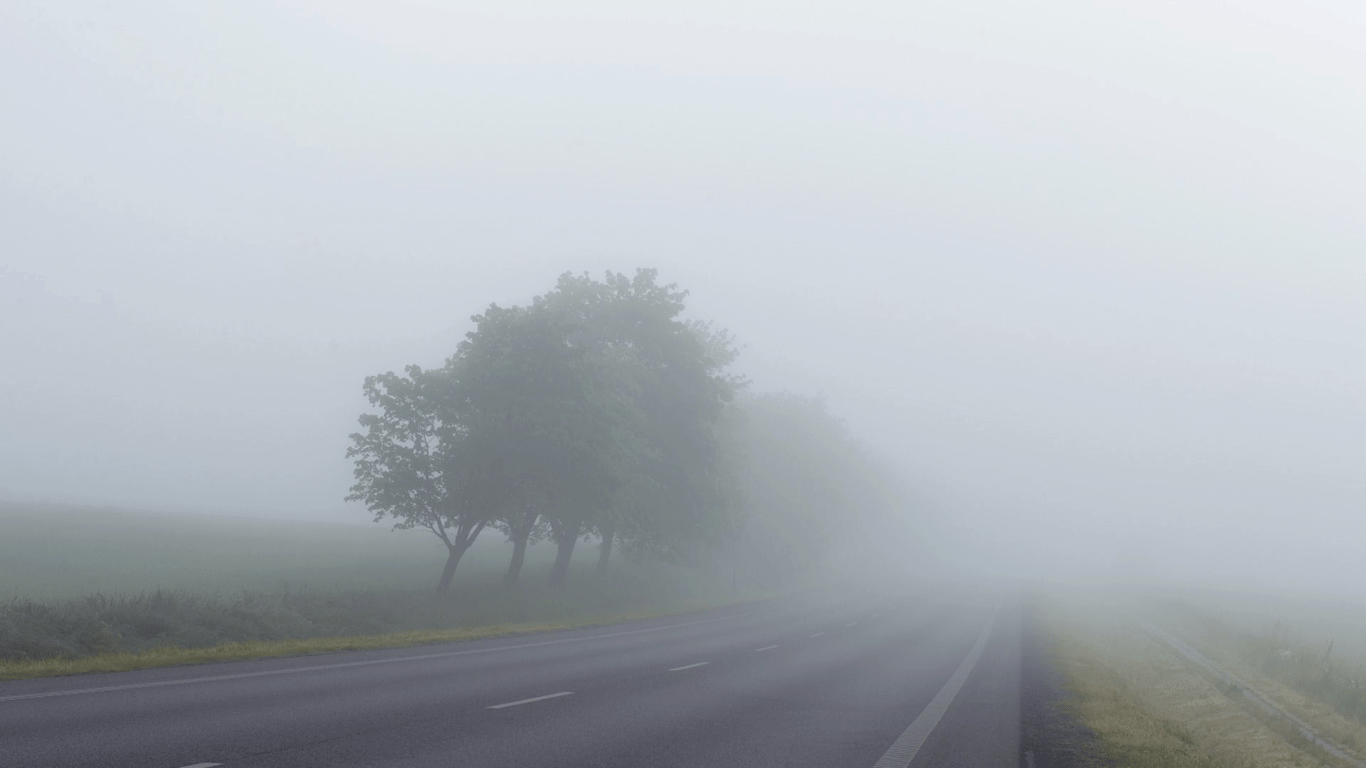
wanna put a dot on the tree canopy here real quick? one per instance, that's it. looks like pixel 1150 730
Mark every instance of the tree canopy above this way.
pixel 599 410
pixel 590 410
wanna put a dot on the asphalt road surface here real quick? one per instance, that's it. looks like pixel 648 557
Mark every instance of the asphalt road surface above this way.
pixel 816 680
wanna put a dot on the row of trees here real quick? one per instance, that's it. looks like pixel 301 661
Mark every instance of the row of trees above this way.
pixel 598 411
pixel 811 491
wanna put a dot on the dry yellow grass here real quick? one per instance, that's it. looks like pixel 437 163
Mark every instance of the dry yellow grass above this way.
pixel 1320 716
pixel 1150 707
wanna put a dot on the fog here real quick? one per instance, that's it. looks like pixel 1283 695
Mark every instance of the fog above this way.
pixel 1089 278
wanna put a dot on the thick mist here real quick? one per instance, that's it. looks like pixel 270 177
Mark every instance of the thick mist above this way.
pixel 1087 280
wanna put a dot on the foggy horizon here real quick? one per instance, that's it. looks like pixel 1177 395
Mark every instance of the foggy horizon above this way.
pixel 1089 280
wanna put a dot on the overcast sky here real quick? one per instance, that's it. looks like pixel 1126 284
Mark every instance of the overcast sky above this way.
pixel 1090 277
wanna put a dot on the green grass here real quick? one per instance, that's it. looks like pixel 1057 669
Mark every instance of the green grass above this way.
pixel 167 656
pixel 97 624
pixel 52 552
pixel 1129 733
pixel 106 589
pixel 1282 654
pixel 1151 706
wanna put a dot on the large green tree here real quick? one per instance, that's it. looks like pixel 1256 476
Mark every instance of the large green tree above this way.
pixel 674 496
pixel 595 410
pixel 416 462
pixel 519 426
pixel 557 415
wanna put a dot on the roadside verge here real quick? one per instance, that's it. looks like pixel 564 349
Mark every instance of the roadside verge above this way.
pixel 246 651
pixel 1149 704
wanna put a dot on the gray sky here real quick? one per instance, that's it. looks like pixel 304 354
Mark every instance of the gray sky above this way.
pixel 1090 276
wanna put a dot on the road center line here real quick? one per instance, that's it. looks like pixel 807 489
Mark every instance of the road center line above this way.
pixel 350 664
pixel 903 750
pixel 690 666
pixel 765 648
pixel 534 698
pixel 818 634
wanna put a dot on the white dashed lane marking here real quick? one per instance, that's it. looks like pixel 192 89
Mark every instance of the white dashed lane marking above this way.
pixel 202 765
pixel 690 666
pixel 528 701
pixel 765 648
pixel 818 634
pixel 852 624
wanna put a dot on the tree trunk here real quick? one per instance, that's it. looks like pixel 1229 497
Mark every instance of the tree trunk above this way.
pixel 452 560
pixel 609 531
pixel 520 534
pixel 560 572
pixel 518 557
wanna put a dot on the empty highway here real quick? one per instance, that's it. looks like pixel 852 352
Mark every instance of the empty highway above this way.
pixel 817 680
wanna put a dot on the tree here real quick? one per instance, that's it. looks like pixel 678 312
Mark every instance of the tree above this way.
pixel 673 498
pixel 693 502
pixel 416 463
pixel 551 414
pixel 523 524
pixel 593 410
pixel 803 482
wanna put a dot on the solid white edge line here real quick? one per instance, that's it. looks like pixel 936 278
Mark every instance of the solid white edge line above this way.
pixel 765 648
pixel 903 750
pixel 202 765
pixel 534 698
pixel 690 666
pixel 818 634
pixel 349 664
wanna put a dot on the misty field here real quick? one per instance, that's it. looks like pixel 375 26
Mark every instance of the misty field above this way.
pixel 50 551
pixel 77 581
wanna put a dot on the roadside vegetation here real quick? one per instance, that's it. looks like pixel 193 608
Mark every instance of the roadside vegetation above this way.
pixel 594 413
pixel 168 656
pixel 102 634
pixel 1149 706
pixel 1318 683
pixel 598 412
pixel 129 626
pixel 133 623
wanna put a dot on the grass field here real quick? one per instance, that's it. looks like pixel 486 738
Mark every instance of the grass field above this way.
pixel 52 551
pixel 106 585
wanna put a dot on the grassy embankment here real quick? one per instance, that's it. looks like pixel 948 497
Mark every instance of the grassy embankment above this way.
pixel 1149 706
pixel 1308 656
pixel 110 590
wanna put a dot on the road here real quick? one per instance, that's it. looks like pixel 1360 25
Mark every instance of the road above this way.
pixel 818 680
